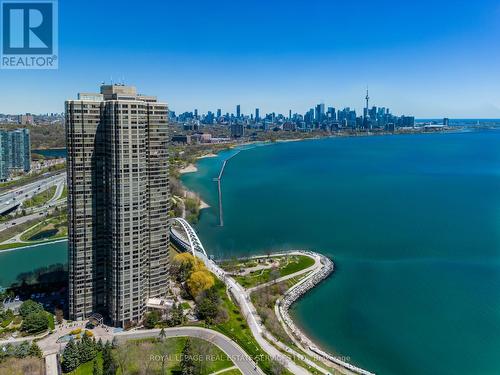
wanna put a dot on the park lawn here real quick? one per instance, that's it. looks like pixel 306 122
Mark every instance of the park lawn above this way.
pixel 16 229
pixel 49 229
pixel 64 192
pixel 88 367
pixel 41 198
pixel 264 300
pixel 173 364
pixel 288 266
pixel 298 263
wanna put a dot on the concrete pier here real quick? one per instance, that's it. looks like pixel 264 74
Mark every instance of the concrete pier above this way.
pixel 219 187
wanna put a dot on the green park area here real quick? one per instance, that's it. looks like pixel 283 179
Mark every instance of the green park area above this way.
pixel 177 355
pixel 34 231
pixel 31 320
pixel 213 307
pixel 267 269
pixel 40 199
pixel 49 229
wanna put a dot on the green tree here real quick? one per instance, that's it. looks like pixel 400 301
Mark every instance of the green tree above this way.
pixel 35 322
pixel 86 349
pixel 152 319
pixel 108 362
pixel 35 350
pixel 206 309
pixel 29 307
pixel 95 369
pixel 176 316
pixel 100 345
pixel 188 366
pixel 163 334
pixel 22 350
pixel 71 358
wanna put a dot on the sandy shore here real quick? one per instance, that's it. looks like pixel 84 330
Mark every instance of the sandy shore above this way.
pixel 191 168
pixel 191 194
pixel 207 156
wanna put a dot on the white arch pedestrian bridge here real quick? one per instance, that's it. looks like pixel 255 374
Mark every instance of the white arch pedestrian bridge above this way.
pixel 187 238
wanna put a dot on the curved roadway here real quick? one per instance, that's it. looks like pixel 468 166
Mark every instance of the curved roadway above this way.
pixel 240 359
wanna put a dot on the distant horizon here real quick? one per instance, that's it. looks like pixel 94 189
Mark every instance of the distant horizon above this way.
pixel 285 114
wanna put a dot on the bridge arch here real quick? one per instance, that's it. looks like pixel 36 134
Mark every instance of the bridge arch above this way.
pixel 195 244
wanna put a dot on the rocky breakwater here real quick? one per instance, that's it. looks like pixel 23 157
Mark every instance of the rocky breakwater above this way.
pixel 297 291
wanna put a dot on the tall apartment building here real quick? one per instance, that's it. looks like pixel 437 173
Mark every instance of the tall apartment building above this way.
pixel 118 202
pixel 15 152
pixel 237 130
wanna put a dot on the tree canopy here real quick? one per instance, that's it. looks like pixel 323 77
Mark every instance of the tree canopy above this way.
pixel 199 281
pixel 30 306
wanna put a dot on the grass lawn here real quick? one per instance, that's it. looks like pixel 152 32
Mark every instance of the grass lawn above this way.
pixel 88 368
pixel 49 229
pixel 65 192
pixel 40 199
pixel 136 354
pixel 288 265
pixel 16 229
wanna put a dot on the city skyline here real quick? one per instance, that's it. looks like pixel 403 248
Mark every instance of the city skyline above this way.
pixel 272 56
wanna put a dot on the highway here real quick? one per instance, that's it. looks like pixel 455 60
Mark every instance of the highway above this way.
pixel 17 196
pixel 25 192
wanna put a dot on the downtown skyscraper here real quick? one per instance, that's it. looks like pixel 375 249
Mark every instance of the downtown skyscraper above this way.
pixel 118 202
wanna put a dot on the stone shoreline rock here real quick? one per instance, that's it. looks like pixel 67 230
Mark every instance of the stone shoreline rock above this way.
pixel 296 292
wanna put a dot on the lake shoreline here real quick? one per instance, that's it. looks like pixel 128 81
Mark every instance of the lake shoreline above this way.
pixel 49 242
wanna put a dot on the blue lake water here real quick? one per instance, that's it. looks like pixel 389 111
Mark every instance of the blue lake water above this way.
pixel 412 223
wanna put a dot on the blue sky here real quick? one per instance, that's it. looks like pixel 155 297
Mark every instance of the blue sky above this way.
pixel 427 58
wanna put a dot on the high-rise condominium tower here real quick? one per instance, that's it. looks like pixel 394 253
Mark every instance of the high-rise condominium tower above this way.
pixel 15 152
pixel 118 202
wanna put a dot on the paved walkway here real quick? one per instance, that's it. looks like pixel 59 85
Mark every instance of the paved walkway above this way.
pixel 51 367
pixel 49 344
pixel 246 294
pixel 253 320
